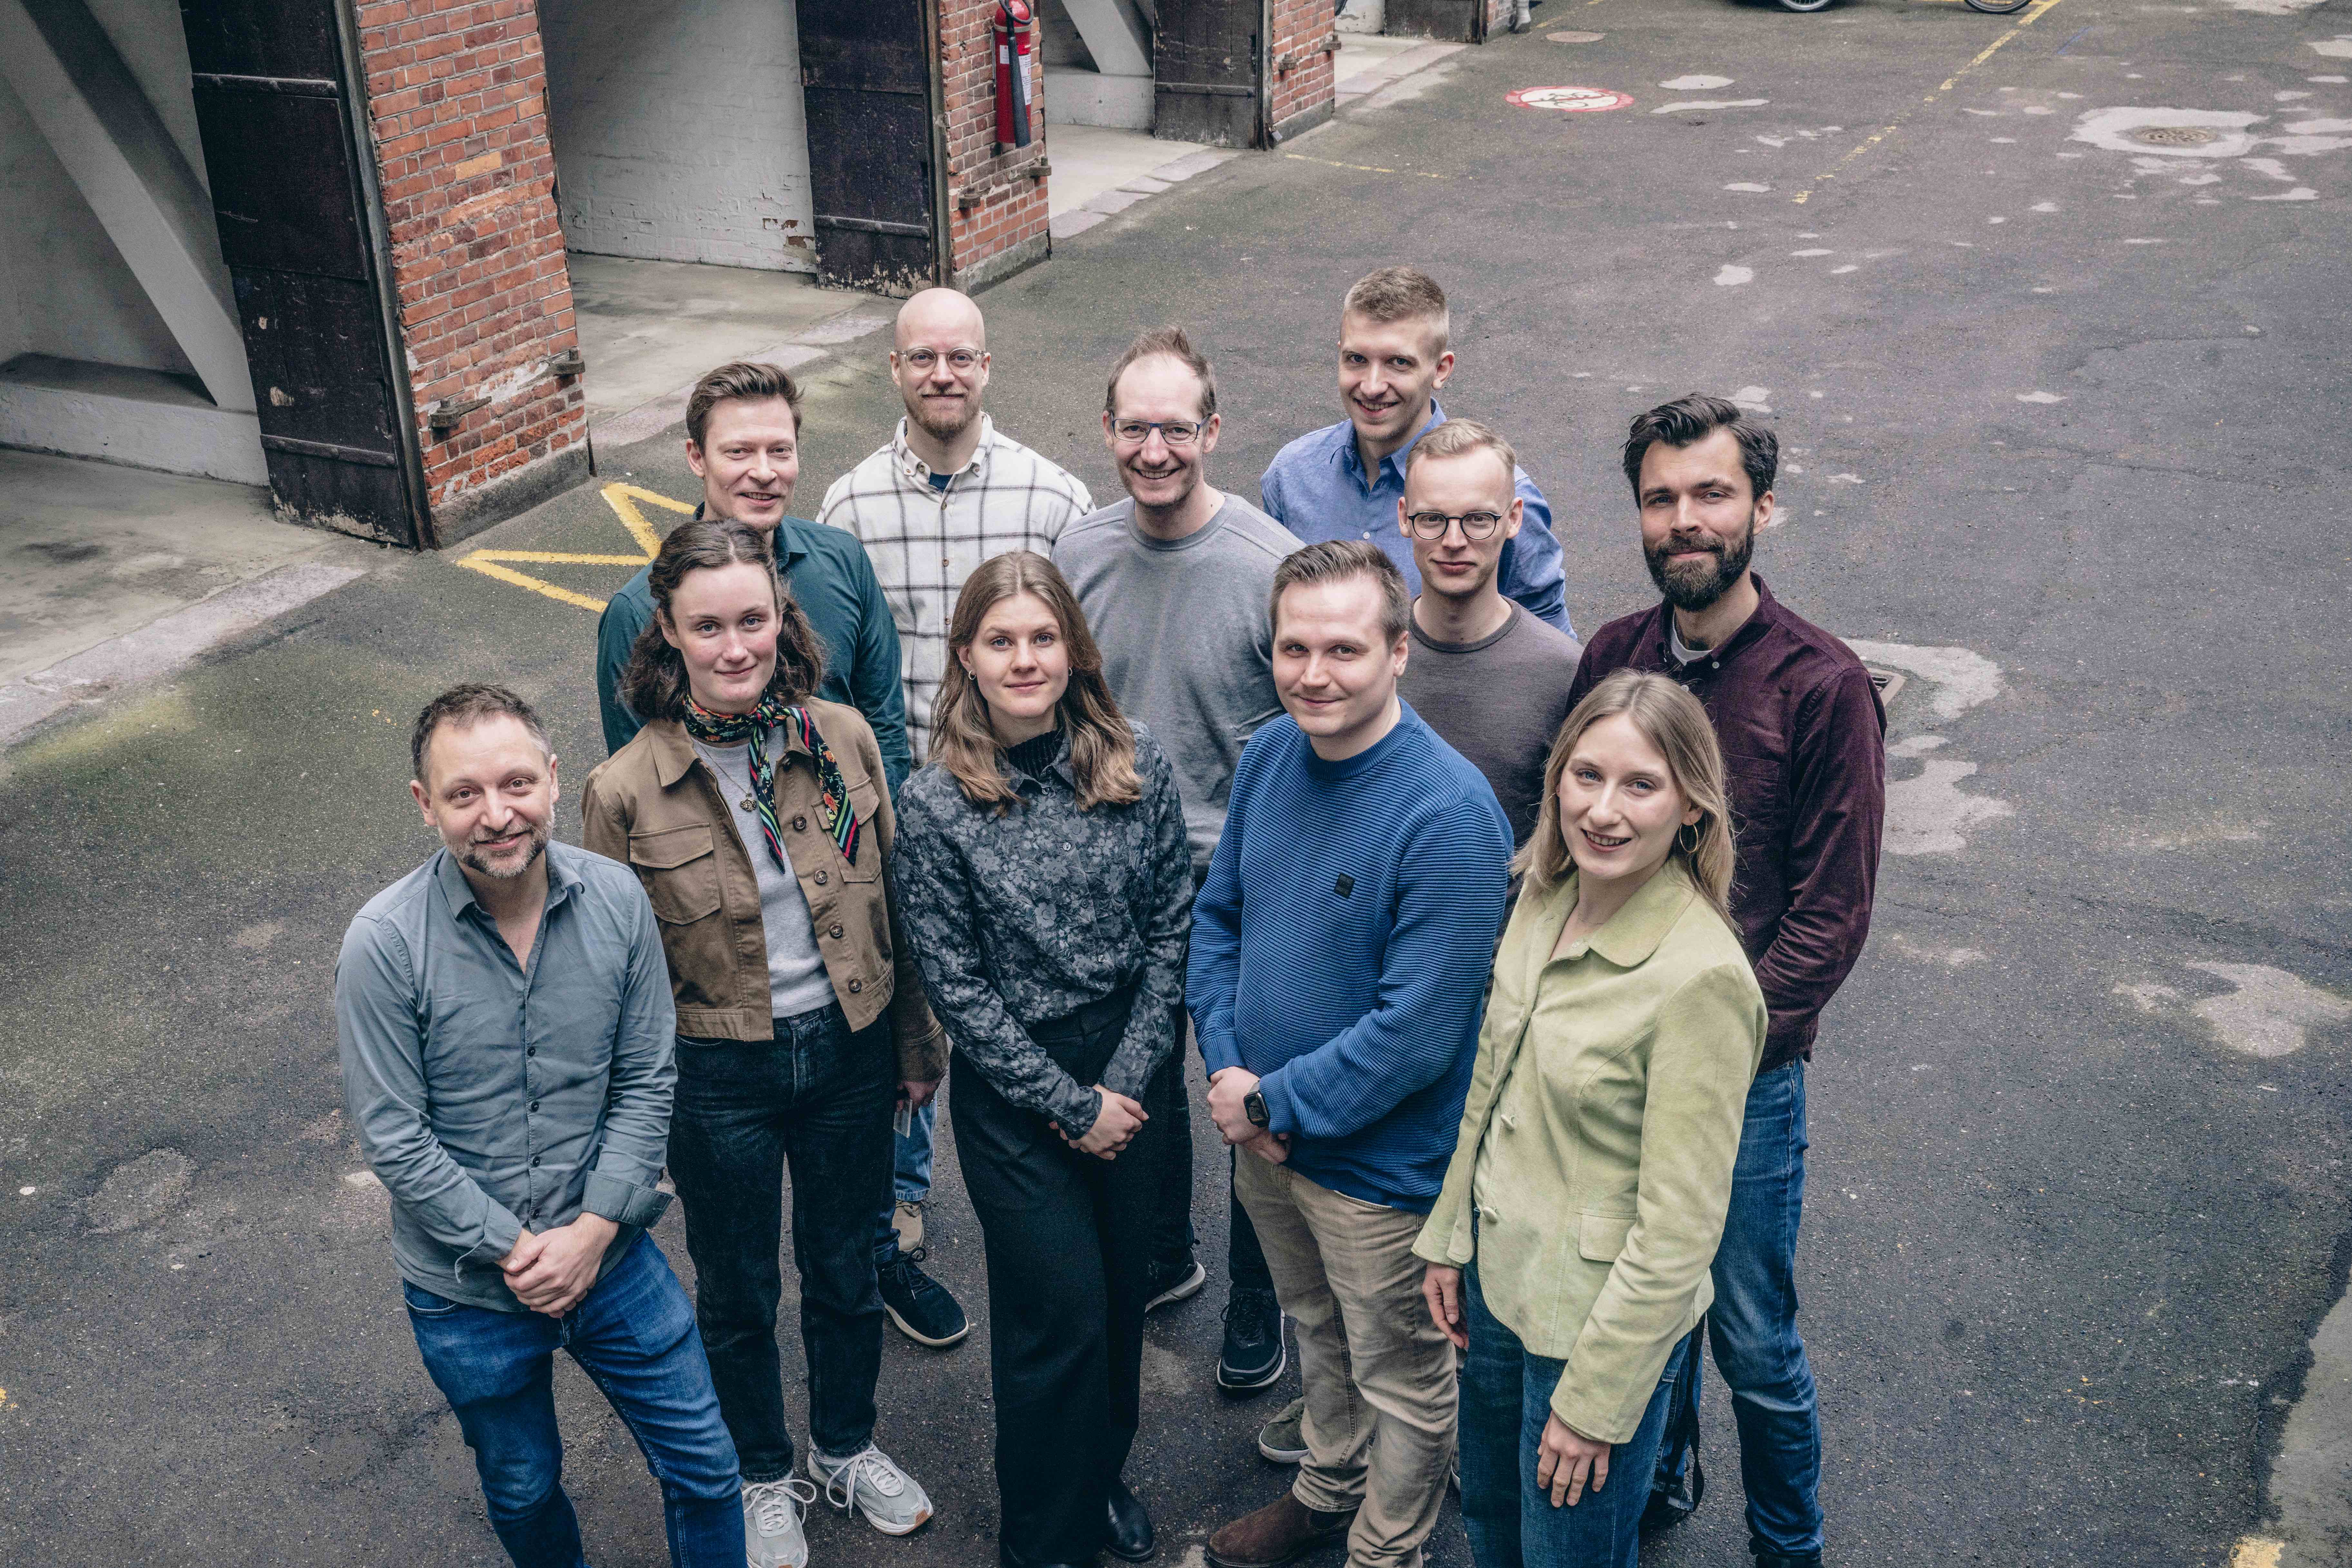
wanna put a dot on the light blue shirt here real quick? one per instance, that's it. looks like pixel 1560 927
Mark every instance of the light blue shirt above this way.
pixel 487 1096
pixel 1316 487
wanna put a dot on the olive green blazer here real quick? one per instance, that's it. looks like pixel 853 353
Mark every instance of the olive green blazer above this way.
pixel 1598 1139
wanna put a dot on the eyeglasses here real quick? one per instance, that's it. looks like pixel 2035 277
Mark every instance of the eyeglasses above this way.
pixel 1475 524
pixel 959 360
pixel 1175 432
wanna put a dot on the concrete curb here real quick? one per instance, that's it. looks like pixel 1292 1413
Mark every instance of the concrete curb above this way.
pixel 161 646
pixel 1175 171
pixel 649 420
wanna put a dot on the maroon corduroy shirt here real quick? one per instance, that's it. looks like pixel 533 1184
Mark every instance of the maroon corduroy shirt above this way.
pixel 1804 740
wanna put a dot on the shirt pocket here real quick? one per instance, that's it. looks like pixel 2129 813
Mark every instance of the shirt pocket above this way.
pixel 864 800
pixel 680 867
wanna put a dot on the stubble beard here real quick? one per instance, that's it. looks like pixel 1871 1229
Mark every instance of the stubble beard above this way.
pixel 474 860
pixel 1696 588
pixel 921 414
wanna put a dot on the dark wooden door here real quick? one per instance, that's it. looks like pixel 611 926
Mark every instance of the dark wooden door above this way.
pixel 300 230
pixel 866 78
pixel 1444 19
pixel 1208 64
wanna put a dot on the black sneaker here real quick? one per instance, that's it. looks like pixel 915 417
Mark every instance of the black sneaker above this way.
pixel 921 1305
pixel 1669 1505
pixel 1254 1355
pixel 1179 1285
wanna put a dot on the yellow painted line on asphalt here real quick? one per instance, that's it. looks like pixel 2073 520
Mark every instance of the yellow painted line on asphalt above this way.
pixel 508 574
pixel 2035 13
pixel 622 498
pixel 2256 1552
pixel 1363 168
pixel 557 557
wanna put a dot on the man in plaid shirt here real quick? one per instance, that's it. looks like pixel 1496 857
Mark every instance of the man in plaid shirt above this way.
pixel 949 490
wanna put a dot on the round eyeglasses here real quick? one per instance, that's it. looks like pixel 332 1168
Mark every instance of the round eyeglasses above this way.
pixel 1476 525
pixel 1175 432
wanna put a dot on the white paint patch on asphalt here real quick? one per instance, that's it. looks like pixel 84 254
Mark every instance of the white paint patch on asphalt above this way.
pixel 2271 1012
pixel 1814 252
pixel 1732 276
pixel 2112 129
pixel 2328 79
pixel 1696 83
pixel 1950 957
pixel 2339 46
pixel 1849 267
pixel 1963 678
pixel 1712 103
pixel 361 1180
pixel 2148 996
pixel 2293 97
pixel 2273 8
pixel 2044 207
pixel 1929 815
pixel 2038 396
pixel 2271 166
pixel 1747 186
pixel 2300 194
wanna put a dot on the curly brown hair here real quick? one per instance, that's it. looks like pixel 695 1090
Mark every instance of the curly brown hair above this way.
pixel 655 685
pixel 1102 743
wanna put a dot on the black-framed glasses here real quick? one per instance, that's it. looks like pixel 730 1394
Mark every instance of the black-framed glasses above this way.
pixel 1476 525
pixel 959 360
pixel 1175 432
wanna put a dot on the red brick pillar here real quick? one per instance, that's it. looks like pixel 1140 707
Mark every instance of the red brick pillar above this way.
pixel 1301 59
pixel 996 199
pixel 457 96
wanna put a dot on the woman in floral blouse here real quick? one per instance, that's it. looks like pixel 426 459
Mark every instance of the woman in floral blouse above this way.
pixel 1042 871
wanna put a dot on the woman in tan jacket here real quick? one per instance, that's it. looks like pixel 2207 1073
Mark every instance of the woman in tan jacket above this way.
pixel 759 819
pixel 1569 1250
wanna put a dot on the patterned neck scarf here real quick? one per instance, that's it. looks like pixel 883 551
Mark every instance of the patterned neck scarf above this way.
pixel 731 729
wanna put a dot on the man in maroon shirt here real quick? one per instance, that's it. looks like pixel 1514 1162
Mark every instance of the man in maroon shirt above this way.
pixel 1804 742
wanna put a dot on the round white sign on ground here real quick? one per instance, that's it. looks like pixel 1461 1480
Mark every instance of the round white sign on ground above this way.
pixel 1567 99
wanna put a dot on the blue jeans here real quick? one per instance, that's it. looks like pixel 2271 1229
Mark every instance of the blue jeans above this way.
pixel 634 1335
pixel 910 1176
pixel 1506 1399
pixel 1753 1325
pixel 815 1098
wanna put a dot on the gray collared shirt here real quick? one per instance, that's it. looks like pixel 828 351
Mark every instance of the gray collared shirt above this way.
pixel 488 1097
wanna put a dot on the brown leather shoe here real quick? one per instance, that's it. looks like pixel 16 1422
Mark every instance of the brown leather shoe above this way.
pixel 1283 1530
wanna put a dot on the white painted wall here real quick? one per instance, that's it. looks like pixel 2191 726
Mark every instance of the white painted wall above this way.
pixel 64 290
pixel 679 130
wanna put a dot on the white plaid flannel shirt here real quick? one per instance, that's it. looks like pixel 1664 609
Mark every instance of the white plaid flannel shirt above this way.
pixel 924 543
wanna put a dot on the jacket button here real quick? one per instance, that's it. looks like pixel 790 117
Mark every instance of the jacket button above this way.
pixel 856 986
pixel 535 1105
pixel 799 824
pixel 534 1162
pixel 834 932
pixel 820 879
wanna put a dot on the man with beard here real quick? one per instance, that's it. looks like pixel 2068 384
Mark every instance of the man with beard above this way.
pixel 946 493
pixel 1343 481
pixel 1804 745
pixel 1174 582
pixel 507 1040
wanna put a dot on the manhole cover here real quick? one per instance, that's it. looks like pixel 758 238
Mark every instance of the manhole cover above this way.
pixel 2176 135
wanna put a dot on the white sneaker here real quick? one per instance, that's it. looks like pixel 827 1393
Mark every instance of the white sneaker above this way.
pixel 888 1496
pixel 771 1522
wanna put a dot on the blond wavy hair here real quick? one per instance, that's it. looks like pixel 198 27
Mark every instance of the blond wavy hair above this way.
pixel 1671 719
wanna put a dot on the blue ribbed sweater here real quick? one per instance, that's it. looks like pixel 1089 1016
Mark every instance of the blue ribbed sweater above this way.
pixel 1359 1008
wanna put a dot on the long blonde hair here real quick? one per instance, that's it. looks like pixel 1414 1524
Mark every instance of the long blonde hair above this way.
pixel 1670 719
pixel 1102 745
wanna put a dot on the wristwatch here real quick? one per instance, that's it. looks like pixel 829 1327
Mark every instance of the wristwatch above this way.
pixel 1254 1107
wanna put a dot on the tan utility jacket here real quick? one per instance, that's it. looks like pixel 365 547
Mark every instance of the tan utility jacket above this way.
pixel 655 806
pixel 1598 1138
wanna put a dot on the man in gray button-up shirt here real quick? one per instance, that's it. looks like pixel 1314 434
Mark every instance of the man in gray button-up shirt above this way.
pixel 507 1038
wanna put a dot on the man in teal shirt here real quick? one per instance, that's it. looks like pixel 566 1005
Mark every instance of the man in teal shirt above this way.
pixel 742 439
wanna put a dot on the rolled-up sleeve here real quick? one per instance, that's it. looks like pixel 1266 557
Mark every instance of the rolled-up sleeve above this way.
pixel 1708 1038
pixel 381 1042
pixel 621 1182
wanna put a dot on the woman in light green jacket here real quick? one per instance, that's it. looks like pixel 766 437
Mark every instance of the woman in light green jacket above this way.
pixel 1568 1251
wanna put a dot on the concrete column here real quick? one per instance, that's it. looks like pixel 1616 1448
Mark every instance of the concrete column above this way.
pixel 97 119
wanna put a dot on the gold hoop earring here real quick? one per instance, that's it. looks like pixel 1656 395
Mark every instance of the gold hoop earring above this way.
pixel 1690 849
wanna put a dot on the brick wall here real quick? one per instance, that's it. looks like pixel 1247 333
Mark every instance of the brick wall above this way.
pixel 1304 39
pixel 457 89
pixel 997 199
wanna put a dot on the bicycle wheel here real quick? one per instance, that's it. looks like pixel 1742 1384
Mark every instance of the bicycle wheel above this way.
pixel 1998 7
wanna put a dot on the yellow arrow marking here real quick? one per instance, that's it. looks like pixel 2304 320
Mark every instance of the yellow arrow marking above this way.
pixel 623 500
pixel 1875 137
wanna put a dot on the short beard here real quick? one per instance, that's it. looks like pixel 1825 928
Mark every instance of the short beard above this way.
pixel 921 415
pixel 1694 588
pixel 473 861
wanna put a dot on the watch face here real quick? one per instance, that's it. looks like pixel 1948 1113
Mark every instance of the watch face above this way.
pixel 1254 1107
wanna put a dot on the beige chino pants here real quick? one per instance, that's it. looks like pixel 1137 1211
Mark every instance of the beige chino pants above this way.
pixel 1378 1377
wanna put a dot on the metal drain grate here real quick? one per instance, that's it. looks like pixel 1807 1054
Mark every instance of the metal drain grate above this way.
pixel 2175 135
pixel 1888 682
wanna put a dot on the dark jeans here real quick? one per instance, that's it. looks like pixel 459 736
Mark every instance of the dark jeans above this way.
pixel 818 1098
pixel 1506 1400
pixel 1171 1220
pixel 634 1335
pixel 1753 1326
pixel 1069 1245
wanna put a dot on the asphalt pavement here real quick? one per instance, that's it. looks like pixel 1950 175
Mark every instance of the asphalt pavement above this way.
pixel 2061 389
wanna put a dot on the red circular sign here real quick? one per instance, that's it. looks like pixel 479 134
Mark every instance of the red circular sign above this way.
pixel 1567 99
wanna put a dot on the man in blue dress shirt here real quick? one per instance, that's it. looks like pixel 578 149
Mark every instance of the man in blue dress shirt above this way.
pixel 1344 481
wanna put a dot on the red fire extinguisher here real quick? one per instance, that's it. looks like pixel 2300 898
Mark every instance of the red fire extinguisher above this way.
pixel 1014 94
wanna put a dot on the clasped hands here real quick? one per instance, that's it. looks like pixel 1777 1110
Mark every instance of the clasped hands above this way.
pixel 1117 1121
pixel 551 1270
pixel 1229 1088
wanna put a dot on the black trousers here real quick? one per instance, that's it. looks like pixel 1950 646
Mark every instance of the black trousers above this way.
pixel 1070 1241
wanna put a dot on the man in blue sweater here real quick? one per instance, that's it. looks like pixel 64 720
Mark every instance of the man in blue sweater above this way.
pixel 1341 947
